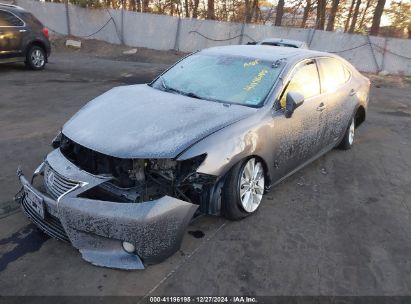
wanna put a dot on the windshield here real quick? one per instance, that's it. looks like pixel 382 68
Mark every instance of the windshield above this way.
pixel 223 78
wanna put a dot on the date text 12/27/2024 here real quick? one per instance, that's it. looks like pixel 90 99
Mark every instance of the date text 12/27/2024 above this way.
pixel 203 299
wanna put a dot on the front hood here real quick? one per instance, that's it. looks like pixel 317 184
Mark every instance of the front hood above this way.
pixel 141 122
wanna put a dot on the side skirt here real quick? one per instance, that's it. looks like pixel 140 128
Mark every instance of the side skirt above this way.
pixel 12 60
pixel 321 153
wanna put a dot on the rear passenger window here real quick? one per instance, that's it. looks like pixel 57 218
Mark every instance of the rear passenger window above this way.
pixel 304 81
pixel 8 19
pixel 333 74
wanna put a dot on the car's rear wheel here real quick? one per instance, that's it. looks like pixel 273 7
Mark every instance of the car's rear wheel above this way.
pixel 36 58
pixel 348 139
pixel 243 189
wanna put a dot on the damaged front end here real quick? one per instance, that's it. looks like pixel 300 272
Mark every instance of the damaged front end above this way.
pixel 119 213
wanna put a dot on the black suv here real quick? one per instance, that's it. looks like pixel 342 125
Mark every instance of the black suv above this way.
pixel 22 38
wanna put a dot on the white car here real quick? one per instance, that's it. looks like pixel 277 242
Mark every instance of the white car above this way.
pixel 284 43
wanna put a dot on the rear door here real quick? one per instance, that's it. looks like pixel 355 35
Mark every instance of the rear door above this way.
pixel 340 97
pixel 12 29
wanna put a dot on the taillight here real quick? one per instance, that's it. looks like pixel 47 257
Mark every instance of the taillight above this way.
pixel 45 32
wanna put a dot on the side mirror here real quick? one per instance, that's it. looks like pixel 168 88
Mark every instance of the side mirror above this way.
pixel 292 101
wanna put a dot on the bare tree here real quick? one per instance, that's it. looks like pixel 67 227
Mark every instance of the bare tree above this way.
pixel 352 15
pixel 279 13
pixel 399 12
pixel 210 10
pixel 364 14
pixel 195 8
pixel 145 5
pixel 247 11
pixel 333 13
pixel 294 10
pixel 375 27
pixel 307 9
pixel 254 10
pixel 186 8
pixel 321 6
pixel 133 5
pixel 347 22
pixel 355 16
pixel 267 16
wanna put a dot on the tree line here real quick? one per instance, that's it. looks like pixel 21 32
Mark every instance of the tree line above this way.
pixel 352 16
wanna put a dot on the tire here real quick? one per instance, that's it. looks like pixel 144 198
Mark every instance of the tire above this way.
pixel 36 58
pixel 237 201
pixel 348 139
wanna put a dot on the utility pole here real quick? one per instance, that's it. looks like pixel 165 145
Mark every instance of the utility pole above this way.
pixel 122 21
pixel 67 18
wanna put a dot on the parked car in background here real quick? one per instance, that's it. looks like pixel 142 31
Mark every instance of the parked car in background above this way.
pixel 23 38
pixel 213 133
pixel 282 42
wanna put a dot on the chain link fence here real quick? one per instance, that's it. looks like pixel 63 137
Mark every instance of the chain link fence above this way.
pixel 368 53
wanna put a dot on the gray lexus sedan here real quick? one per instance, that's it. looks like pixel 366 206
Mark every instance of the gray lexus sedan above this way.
pixel 210 135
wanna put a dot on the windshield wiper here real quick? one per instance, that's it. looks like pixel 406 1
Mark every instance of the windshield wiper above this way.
pixel 189 94
pixel 170 89
pixel 193 95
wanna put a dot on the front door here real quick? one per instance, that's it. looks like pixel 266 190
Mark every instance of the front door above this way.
pixel 298 139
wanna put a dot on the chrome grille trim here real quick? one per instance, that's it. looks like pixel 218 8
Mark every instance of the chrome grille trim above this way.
pixel 56 184
pixel 50 225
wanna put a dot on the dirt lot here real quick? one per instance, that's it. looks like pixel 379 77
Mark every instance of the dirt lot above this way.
pixel 341 226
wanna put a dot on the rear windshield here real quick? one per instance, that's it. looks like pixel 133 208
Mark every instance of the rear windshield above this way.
pixel 224 78
pixel 29 18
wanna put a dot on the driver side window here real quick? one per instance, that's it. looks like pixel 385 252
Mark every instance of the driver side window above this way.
pixel 304 81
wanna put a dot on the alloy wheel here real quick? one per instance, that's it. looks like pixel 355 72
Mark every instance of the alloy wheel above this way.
pixel 351 132
pixel 251 185
pixel 37 58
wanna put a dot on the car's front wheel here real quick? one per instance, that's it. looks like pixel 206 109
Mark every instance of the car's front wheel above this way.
pixel 243 189
pixel 36 58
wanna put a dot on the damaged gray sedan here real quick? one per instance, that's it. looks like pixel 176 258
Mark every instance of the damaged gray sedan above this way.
pixel 210 135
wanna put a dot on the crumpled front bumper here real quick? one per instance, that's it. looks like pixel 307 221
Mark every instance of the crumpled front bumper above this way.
pixel 98 228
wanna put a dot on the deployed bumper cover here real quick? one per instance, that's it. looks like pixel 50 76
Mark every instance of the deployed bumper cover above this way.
pixel 98 228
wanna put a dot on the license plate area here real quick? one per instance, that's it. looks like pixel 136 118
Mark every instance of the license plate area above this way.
pixel 34 201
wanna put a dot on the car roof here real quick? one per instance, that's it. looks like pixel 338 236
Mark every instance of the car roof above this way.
pixel 264 52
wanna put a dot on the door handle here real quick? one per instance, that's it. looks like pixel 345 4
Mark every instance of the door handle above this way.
pixel 22 31
pixel 352 92
pixel 321 107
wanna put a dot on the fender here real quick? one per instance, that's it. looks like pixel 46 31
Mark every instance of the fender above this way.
pixel 236 142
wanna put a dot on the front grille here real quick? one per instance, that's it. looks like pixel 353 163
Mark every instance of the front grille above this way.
pixel 56 184
pixel 50 224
